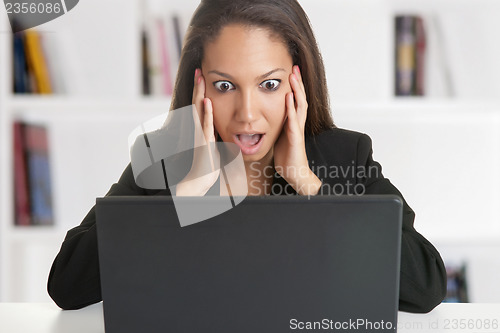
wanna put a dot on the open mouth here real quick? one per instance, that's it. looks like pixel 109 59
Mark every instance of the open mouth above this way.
pixel 249 143
pixel 249 140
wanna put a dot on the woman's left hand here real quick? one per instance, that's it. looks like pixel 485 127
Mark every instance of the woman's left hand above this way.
pixel 290 158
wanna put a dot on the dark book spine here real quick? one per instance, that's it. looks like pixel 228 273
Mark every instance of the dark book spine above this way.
pixel 178 34
pixel 405 69
pixel 146 84
pixel 19 64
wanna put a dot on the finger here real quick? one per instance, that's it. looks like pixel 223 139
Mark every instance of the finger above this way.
pixel 300 83
pixel 291 113
pixel 208 130
pixel 299 77
pixel 208 120
pixel 199 93
pixel 300 98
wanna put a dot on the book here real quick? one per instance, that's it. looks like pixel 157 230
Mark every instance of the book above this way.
pixel 405 55
pixel 154 60
pixel 165 56
pixel 176 20
pixel 420 46
pixel 36 61
pixel 410 45
pixel 20 79
pixel 175 38
pixel 163 39
pixel 22 214
pixel 146 84
pixel 36 150
pixel 456 290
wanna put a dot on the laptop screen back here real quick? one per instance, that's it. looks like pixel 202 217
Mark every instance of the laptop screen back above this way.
pixel 271 264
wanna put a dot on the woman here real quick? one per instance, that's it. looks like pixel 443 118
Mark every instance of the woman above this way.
pixel 255 74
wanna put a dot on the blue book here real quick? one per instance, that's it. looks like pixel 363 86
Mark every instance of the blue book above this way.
pixel 19 63
pixel 39 175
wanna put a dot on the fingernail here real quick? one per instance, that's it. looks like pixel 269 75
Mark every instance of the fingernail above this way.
pixel 298 69
pixel 196 72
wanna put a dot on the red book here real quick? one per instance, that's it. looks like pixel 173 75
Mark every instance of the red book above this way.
pixel 165 59
pixel 420 56
pixel 21 193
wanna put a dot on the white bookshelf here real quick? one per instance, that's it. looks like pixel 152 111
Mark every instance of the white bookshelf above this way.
pixel 418 141
pixel 88 132
pixel 5 157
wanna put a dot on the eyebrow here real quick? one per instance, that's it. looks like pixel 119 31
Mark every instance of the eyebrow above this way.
pixel 263 76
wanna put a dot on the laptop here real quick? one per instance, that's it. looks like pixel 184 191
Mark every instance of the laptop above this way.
pixel 270 264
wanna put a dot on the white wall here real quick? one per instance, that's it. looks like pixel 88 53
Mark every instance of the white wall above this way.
pixel 444 156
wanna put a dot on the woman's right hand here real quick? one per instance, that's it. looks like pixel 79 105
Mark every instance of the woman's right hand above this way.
pixel 205 168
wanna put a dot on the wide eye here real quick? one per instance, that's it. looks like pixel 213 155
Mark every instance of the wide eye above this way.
pixel 271 85
pixel 223 86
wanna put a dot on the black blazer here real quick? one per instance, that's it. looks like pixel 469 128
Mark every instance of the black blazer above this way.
pixel 342 159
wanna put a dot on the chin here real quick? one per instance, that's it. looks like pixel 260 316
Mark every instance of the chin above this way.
pixel 256 157
pixel 252 158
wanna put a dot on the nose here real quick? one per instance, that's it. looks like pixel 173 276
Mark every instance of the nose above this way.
pixel 246 108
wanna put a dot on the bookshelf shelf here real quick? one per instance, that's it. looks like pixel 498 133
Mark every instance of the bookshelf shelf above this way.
pixel 92 121
pixel 36 234
pixel 60 108
pixel 49 101
pixel 411 103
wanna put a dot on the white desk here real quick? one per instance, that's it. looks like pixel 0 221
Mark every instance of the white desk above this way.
pixel 48 318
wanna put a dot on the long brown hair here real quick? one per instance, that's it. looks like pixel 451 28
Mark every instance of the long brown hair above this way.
pixel 285 19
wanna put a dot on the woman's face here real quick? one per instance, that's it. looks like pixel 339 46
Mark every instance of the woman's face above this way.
pixel 246 73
